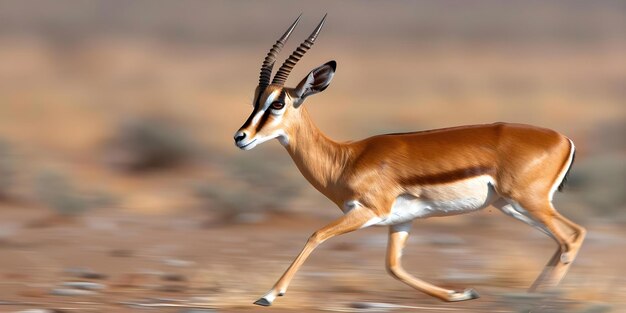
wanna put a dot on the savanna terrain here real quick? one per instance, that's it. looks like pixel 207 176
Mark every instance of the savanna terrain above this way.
pixel 121 189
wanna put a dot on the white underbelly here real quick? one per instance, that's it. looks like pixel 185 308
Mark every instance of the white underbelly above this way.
pixel 441 200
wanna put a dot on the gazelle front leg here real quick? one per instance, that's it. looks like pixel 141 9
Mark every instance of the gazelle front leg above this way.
pixel 398 235
pixel 353 220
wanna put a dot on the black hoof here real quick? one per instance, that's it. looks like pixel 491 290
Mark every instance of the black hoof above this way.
pixel 262 302
pixel 473 294
pixel 281 294
pixel 467 294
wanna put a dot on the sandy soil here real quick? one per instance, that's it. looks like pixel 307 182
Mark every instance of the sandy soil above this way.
pixel 72 74
pixel 176 259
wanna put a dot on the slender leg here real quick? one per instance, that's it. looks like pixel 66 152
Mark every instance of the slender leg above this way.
pixel 579 231
pixel 561 261
pixel 353 220
pixel 510 210
pixel 398 235
pixel 543 216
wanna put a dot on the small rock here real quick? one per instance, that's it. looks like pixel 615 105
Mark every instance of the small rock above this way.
pixel 71 292
pixel 178 263
pixel 85 272
pixel 164 300
pixel 121 253
pixel 173 277
pixel 83 285
pixel 94 275
pixel 378 307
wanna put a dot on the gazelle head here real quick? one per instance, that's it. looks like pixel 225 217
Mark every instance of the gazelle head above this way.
pixel 276 107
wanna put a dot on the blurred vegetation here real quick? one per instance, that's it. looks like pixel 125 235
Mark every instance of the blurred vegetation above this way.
pixel 7 169
pixel 56 191
pixel 600 183
pixel 257 187
pixel 148 143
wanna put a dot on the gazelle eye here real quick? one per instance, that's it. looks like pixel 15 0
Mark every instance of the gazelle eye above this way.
pixel 277 105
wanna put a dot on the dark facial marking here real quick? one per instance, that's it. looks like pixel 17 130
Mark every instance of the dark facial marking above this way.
pixel 282 96
pixel 257 105
pixel 268 112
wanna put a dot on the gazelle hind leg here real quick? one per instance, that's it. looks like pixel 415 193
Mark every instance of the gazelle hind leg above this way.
pixel 544 213
pixel 575 239
pixel 579 231
pixel 398 235
pixel 508 209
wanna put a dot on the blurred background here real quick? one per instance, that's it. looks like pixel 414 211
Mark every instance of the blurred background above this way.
pixel 121 188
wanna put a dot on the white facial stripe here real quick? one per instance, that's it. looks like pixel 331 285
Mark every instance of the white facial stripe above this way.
pixel 270 99
pixel 257 117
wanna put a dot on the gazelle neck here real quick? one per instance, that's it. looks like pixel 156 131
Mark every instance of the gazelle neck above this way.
pixel 320 159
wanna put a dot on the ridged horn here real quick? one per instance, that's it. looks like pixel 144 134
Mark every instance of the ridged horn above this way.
pixel 268 63
pixel 281 76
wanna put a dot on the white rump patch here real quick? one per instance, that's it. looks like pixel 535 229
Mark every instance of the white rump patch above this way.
pixel 561 176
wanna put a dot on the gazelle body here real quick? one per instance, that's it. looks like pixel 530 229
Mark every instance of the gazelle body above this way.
pixel 395 178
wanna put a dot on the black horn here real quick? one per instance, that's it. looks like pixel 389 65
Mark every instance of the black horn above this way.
pixel 281 76
pixel 268 63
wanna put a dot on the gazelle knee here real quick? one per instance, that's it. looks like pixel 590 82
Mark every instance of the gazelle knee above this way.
pixel 394 270
pixel 581 232
pixel 316 238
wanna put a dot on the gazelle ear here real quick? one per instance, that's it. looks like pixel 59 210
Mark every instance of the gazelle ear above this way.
pixel 317 80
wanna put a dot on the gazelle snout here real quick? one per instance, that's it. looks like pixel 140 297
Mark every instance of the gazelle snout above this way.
pixel 239 136
pixel 242 140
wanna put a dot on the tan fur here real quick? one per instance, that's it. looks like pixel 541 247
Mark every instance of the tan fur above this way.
pixel 524 162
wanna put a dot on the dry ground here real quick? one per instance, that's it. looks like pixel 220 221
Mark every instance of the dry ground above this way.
pixel 72 73
pixel 174 257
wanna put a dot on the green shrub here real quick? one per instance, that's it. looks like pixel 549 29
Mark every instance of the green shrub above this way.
pixel 255 186
pixel 600 182
pixel 148 143
pixel 56 191
pixel 7 169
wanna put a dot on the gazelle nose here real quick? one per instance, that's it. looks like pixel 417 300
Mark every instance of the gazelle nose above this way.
pixel 239 136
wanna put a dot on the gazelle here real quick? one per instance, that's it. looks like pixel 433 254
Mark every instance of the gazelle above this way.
pixel 393 179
